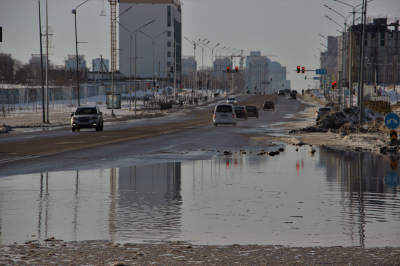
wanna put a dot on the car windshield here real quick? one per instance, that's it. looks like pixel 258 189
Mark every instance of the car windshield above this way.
pixel 86 111
pixel 231 99
pixel 324 109
pixel 251 108
pixel 239 108
pixel 224 109
pixel 268 103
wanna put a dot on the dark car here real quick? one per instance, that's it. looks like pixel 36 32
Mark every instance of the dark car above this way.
pixel 87 117
pixel 241 112
pixel 294 91
pixel 281 92
pixel 287 90
pixel 292 96
pixel 252 111
pixel 268 105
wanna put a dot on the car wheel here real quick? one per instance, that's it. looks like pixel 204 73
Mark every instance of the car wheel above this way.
pixel 257 117
pixel 73 129
pixel 234 125
pixel 245 118
pixel 215 124
pixel 102 125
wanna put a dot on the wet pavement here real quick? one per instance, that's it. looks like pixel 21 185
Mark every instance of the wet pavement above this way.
pixel 297 198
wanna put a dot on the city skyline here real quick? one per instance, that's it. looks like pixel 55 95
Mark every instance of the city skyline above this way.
pixel 288 29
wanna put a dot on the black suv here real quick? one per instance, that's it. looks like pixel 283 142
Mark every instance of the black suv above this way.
pixel 87 117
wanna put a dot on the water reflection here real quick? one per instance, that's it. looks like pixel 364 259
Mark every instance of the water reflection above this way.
pixel 326 198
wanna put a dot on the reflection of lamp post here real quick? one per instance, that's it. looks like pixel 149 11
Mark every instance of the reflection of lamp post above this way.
pixel 76 44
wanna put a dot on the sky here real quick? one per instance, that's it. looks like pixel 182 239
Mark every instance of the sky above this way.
pixel 287 30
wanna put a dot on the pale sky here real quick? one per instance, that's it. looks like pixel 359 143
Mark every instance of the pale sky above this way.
pixel 287 29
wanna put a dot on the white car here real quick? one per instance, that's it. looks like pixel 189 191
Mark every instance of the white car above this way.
pixel 224 114
pixel 231 100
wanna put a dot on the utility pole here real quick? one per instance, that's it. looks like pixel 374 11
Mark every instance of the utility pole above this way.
pixel 361 96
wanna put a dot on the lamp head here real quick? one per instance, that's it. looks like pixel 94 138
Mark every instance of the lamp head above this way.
pixel 74 11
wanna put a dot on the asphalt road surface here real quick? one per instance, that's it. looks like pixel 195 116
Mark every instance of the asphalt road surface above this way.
pixel 178 137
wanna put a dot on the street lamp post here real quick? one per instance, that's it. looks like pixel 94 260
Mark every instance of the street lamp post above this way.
pixel 152 41
pixel 2 89
pixel 135 31
pixel 194 52
pixel 212 60
pixel 76 45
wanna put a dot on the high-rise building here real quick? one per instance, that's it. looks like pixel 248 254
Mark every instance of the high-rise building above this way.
pixel 163 33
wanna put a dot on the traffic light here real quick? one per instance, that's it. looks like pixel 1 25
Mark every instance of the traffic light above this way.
pixel 228 69
pixel 333 85
pixel 305 77
pixel 236 70
pixel 271 79
pixel 303 70
pixel 148 85
pixel 154 83
pixel 298 69
pixel 171 70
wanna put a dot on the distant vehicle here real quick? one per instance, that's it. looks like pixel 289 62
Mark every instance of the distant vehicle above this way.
pixel 281 92
pixel 240 112
pixel 231 100
pixel 294 91
pixel 268 105
pixel 252 111
pixel 224 114
pixel 322 111
pixel 292 96
pixel 87 117
pixel 287 90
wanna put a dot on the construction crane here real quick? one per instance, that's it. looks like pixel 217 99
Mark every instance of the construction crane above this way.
pixel 113 15
pixel 242 57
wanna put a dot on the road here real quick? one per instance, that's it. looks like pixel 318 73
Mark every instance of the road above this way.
pixel 172 138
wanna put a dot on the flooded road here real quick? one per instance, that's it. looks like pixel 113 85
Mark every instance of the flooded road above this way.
pixel 298 198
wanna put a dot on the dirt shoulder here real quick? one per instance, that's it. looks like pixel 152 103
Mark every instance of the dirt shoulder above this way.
pixel 367 141
pixel 181 253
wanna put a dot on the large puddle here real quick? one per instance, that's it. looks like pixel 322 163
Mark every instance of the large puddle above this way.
pixel 298 198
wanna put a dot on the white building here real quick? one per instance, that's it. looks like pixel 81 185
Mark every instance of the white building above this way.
pixel 97 65
pixel 70 63
pixel 166 29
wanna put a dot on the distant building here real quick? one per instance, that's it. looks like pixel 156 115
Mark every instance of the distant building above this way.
pixel 35 62
pixel 165 31
pixel 100 65
pixel 381 51
pixel 189 65
pixel 70 63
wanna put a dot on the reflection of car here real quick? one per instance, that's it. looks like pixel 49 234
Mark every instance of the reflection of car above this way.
pixel 322 111
pixel 252 111
pixel 231 100
pixel 281 92
pixel 294 91
pixel 224 114
pixel 269 105
pixel 87 117
pixel 292 96
pixel 287 90
pixel 240 112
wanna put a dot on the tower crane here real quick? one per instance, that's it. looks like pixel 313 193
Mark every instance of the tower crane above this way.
pixel 113 15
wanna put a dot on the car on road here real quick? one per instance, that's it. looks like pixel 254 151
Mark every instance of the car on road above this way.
pixel 240 112
pixel 224 114
pixel 268 105
pixel 322 111
pixel 231 100
pixel 281 92
pixel 287 91
pixel 87 117
pixel 252 111
pixel 292 96
pixel 294 91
